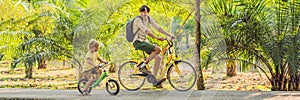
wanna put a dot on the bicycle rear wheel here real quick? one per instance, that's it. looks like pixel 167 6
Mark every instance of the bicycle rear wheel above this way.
pixel 128 76
pixel 81 85
pixel 186 80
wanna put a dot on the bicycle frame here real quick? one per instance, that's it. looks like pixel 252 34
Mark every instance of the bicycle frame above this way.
pixel 171 60
pixel 104 74
pixel 172 57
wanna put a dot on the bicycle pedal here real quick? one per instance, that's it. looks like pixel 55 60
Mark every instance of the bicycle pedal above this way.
pixel 142 74
pixel 158 86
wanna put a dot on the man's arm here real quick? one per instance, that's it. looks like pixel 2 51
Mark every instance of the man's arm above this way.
pixel 159 29
pixel 154 36
pixel 164 32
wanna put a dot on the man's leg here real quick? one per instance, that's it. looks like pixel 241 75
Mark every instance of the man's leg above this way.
pixel 153 54
pixel 151 78
pixel 158 60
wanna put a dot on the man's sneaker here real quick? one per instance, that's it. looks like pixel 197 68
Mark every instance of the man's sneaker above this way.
pixel 158 84
pixel 142 68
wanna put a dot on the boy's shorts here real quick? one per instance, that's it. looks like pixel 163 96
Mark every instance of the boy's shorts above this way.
pixel 144 46
pixel 90 73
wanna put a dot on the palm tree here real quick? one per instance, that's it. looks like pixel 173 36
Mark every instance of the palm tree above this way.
pixel 225 13
pixel 277 51
pixel 35 49
pixel 271 37
pixel 282 47
pixel 44 44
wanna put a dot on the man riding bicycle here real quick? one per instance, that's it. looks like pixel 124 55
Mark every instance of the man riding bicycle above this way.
pixel 140 41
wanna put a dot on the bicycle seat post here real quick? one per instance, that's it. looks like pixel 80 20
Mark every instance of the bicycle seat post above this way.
pixel 144 55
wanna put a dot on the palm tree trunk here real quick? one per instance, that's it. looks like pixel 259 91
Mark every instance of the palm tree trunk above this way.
pixel 231 68
pixel 112 68
pixel 42 64
pixel 200 80
pixel 28 71
pixel 285 82
pixel 298 82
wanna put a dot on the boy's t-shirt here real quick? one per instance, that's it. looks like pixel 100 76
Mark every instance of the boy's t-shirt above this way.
pixel 93 56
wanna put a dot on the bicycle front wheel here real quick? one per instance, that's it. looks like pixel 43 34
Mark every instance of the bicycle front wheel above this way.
pixel 112 87
pixel 129 78
pixel 182 79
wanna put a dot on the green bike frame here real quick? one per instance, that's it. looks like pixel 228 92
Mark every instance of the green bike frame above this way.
pixel 104 74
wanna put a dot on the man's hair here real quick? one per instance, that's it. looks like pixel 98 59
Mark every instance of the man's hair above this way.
pixel 93 43
pixel 144 8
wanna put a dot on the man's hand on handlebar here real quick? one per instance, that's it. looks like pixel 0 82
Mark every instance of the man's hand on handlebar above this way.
pixel 160 38
pixel 173 37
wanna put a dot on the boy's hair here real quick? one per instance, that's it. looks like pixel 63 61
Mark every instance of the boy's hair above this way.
pixel 144 8
pixel 93 43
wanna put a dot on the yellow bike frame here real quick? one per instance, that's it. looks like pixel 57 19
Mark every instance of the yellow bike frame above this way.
pixel 171 60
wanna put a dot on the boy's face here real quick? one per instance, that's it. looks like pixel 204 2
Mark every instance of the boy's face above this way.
pixel 95 48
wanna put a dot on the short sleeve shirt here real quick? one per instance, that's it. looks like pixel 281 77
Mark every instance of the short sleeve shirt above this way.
pixel 93 56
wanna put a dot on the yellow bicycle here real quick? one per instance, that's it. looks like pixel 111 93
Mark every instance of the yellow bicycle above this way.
pixel 180 74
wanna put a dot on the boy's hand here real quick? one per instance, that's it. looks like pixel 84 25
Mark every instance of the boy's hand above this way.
pixel 96 66
pixel 105 62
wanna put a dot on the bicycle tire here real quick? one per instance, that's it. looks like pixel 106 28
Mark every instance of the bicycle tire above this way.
pixel 127 79
pixel 81 85
pixel 112 87
pixel 186 80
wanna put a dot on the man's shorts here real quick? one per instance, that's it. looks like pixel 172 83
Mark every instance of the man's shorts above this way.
pixel 90 73
pixel 144 46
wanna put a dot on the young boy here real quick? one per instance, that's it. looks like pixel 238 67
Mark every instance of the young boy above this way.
pixel 90 66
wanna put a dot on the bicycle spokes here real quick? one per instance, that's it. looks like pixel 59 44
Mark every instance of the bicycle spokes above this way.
pixel 182 76
pixel 129 77
pixel 111 85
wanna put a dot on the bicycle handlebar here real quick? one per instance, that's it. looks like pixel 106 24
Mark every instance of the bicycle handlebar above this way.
pixel 170 42
pixel 103 65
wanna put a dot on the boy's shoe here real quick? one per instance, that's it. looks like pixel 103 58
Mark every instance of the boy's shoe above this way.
pixel 85 92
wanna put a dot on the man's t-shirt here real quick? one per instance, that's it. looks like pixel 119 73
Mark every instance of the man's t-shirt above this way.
pixel 144 26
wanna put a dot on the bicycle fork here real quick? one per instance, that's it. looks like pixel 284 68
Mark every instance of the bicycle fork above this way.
pixel 166 67
pixel 175 64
